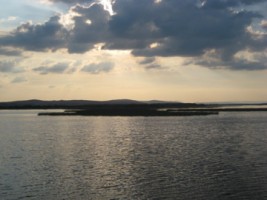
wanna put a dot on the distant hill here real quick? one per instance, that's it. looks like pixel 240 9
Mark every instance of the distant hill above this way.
pixel 111 104
pixel 36 103
pixel 65 104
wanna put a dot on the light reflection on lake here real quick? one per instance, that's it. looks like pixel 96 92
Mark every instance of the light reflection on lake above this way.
pixel 73 157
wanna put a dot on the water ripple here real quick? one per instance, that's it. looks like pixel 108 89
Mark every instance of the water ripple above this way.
pixel 214 157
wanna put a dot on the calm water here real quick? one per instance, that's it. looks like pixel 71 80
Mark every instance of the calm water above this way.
pixel 72 157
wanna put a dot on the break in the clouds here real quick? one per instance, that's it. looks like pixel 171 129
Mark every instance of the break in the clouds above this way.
pixel 264 24
pixel 97 68
pixel 150 28
pixel 71 1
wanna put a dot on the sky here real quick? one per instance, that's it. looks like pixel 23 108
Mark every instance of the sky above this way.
pixel 175 50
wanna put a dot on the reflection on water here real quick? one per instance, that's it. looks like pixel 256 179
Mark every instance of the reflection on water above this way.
pixel 210 157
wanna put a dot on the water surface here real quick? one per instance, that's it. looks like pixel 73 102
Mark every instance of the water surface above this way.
pixel 73 157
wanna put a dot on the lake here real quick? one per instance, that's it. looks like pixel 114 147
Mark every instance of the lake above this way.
pixel 73 157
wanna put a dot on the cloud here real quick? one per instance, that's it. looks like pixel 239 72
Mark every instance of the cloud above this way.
pixel 150 63
pixel 58 68
pixel 246 60
pixel 233 64
pixel 71 1
pixel 10 52
pixel 97 68
pixel 10 18
pixel 147 60
pixel 264 24
pixel 85 35
pixel 153 66
pixel 48 36
pixel 222 4
pixel 8 66
pixel 189 30
pixel 8 23
pixel 152 28
pixel 19 80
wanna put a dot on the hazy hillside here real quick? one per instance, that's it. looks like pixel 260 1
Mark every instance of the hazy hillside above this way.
pixel 35 104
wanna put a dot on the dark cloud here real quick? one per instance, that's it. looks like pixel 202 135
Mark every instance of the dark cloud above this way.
pixel 250 2
pixel 246 65
pixel 58 68
pixel 48 36
pixel 10 52
pixel 233 64
pixel 150 63
pixel 214 61
pixel 9 67
pixel 188 30
pixel 222 4
pixel 52 35
pixel 176 28
pixel 184 28
pixel 147 60
pixel 97 68
pixel 91 27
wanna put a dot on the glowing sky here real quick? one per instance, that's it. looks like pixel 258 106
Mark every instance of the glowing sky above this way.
pixel 190 51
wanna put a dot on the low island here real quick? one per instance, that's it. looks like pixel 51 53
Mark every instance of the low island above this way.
pixel 129 111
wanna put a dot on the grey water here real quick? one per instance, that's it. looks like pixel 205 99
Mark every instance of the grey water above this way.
pixel 193 157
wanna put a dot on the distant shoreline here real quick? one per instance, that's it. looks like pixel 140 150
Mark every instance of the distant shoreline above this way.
pixel 127 112
pixel 128 108
pixel 149 112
